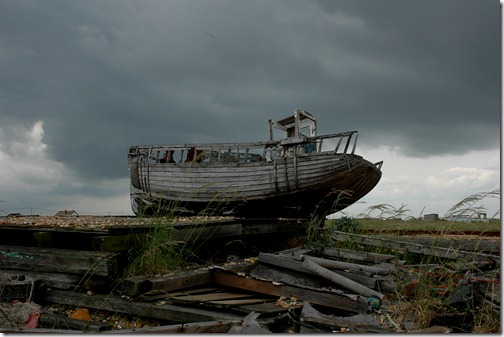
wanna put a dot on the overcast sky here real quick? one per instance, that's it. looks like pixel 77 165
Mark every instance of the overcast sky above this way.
pixel 81 81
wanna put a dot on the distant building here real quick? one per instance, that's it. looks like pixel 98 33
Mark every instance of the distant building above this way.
pixel 479 217
pixel 431 217
pixel 67 213
pixel 482 215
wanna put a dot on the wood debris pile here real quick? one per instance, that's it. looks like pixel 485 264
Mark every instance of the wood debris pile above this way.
pixel 305 289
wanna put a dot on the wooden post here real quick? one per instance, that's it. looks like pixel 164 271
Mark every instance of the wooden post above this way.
pixel 351 266
pixel 309 264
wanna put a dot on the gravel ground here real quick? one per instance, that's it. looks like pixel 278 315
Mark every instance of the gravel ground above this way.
pixel 86 222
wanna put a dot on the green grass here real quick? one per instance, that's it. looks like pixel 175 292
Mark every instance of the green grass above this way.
pixel 436 226
pixel 432 290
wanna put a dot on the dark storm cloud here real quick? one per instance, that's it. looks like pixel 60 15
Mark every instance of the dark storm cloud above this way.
pixel 422 76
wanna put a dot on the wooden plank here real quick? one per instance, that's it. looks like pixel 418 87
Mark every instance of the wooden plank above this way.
pixel 134 286
pixel 39 330
pixel 43 239
pixel 265 287
pixel 249 326
pixel 293 264
pixel 117 243
pixel 296 251
pixel 408 246
pixel 239 302
pixel 189 328
pixel 182 280
pixel 170 312
pixel 210 297
pixel 62 238
pixel 194 291
pixel 276 227
pixel 281 261
pixel 310 264
pixel 58 280
pixel 357 323
pixel 59 260
pixel 181 232
pixel 265 307
pixel 351 266
pixel 479 245
pixel 356 255
pixel 208 232
pixel 137 285
pixel 270 272
pixel 159 294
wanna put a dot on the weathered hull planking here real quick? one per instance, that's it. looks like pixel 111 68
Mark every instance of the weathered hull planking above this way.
pixel 294 177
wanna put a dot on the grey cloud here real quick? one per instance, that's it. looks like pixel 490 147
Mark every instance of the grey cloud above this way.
pixel 103 75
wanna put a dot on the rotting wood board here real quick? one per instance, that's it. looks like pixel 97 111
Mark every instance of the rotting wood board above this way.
pixel 312 265
pixel 356 255
pixel 327 298
pixel 59 260
pixel 60 281
pixel 271 272
pixel 408 246
pixel 137 285
pixel 209 297
pixel 479 245
pixel 189 328
pixel 160 294
pixel 297 265
pixel 357 323
pixel 379 270
pixel 170 312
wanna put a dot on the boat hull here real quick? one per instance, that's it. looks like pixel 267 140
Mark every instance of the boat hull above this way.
pixel 300 186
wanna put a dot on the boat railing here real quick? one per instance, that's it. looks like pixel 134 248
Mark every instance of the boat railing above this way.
pixel 247 152
pixel 340 138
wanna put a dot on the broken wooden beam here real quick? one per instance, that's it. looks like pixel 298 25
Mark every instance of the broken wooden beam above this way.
pixel 189 328
pixel 170 312
pixel 205 232
pixel 409 246
pixel 117 243
pixel 479 245
pixel 137 285
pixel 297 265
pixel 61 281
pixel 327 298
pixel 249 326
pixel 182 280
pixel 39 331
pixel 296 251
pixel 351 266
pixel 356 255
pixel 358 323
pixel 358 288
pixel 59 260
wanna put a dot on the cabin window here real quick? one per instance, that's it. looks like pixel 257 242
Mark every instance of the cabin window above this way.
pixel 152 158
pixel 193 155
pixel 310 147
pixel 177 156
pixel 253 155
pixel 168 156
pixel 228 156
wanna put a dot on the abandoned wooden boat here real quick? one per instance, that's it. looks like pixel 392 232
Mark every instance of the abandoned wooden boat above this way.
pixel 298 176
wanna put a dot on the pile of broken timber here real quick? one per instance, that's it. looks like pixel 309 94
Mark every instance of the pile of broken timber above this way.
pixel 63 252
pixel 269 294
pixel 311 288
pixel 473 264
